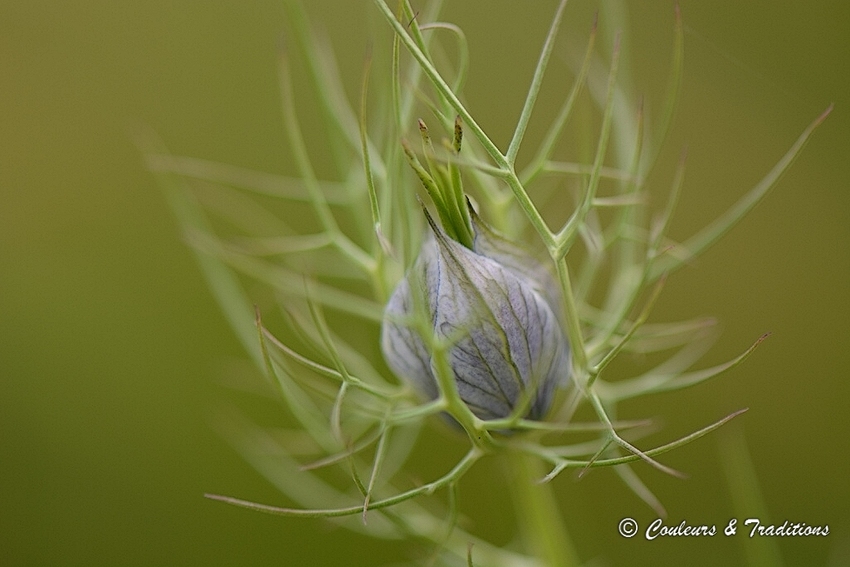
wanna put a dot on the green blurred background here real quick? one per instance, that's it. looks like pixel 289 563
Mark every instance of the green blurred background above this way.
pixel 111 348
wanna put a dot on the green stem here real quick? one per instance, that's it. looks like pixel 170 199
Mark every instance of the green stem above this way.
pixel 534 89
pixel 505 168
pixel 540 520
pixel 571 316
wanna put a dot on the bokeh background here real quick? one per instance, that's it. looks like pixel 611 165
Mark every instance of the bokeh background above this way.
pixel 112 349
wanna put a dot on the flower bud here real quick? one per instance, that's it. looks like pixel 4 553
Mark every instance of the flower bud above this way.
pixel 491 305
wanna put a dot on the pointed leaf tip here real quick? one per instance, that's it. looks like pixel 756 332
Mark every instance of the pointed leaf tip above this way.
pixel 825 113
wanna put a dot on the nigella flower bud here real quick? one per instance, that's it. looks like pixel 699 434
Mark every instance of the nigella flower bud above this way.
pixel 494 306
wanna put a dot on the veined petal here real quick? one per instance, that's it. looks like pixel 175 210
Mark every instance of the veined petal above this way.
pixel 523 263
pixel 505 337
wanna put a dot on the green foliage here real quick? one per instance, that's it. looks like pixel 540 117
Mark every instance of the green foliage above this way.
pixel 330 283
